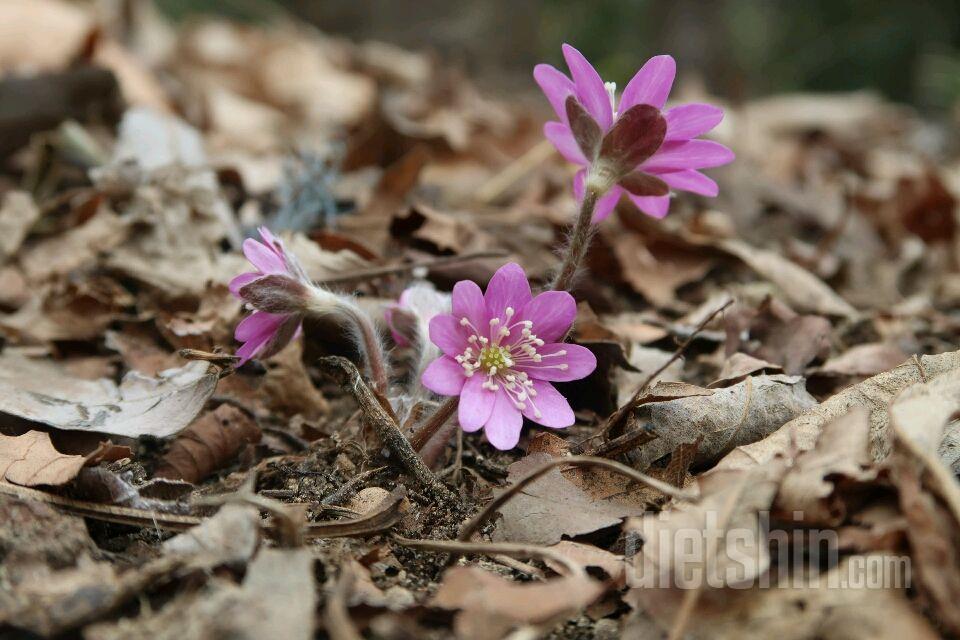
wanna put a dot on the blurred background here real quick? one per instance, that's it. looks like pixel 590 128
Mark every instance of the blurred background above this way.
pixel 741 49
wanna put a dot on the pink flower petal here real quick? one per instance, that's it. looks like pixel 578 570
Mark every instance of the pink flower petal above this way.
pixel 554 410
pixel 508 288
pixel 607 203
pixel 249 350
pixel 590 90
pixel 687 154
pixel 651 85
pixel 447 333
pixel 269 239
pixel 552 313
pixel 655 206
pixel 444 376
pixel 692 181
pixel 556 86
pixel 468 303
pixel 243 280
pixel 258 324
pixel 504 424
pixel 562 138
pixel 256 330
pixel 579 360
pixel 263 257
pixel 288 330
pixel 691 120
pixel 476 403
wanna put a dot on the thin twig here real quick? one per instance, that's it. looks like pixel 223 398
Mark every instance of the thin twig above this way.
pixel 618 416
pixel 511 549
pixel 478 520
pixel 349 489
pixel 346 374
pixel 580 237
pixel 434 263
pixel 381 518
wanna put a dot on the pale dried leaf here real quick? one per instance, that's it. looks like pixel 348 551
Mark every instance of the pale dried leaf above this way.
pixel 724 418
pixel 490 606
pixel 553 506
pixel 42 392
pixel 18 212
pixel 804 290
pixel 842 452
pixel 873 393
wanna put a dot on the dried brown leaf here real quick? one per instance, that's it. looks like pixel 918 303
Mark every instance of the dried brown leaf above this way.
pixel 208 444
pixel 724 418
pixel 873 393
pixel 490 606
pixel 555 506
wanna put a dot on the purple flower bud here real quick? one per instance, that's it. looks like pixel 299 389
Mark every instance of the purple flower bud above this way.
pixel 635 147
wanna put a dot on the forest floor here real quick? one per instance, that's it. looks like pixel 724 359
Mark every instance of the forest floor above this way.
pixel 767 448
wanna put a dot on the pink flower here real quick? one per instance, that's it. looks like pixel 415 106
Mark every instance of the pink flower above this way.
pixel 277 289
pixel 634 147
pixel 409 317
pixel 501 349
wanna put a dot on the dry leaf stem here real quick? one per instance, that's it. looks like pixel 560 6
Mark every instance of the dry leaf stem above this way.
pixel 434 423
pixel 378 272
pixel 509 549
pixel 379 519
pixel 347 375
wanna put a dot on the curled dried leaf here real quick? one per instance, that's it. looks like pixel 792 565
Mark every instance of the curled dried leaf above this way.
pixel 208 444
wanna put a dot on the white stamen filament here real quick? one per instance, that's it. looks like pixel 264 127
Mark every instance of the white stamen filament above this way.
pixel 498 362
pixel 611 88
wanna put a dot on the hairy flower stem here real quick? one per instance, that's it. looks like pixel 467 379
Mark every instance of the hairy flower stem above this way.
pixel 579 242
pixel 372 348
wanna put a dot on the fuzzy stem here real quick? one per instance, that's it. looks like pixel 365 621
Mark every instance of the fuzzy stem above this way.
pixel 372 347
pixel 580 237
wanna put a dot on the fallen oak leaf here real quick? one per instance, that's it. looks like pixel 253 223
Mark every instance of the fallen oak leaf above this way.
pixel 553 507
pixel 800 608
pixel 928 492
pixel 803 289
pixel 31 460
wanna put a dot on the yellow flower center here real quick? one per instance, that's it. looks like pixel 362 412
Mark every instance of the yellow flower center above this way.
pixel 495 356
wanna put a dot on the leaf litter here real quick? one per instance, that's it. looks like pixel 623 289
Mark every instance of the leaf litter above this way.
pixel 153 488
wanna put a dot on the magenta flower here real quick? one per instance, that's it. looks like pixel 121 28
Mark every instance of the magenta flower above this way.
pixel 409 318
pixel 633 147
pixel 265 333
pixel 501 349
